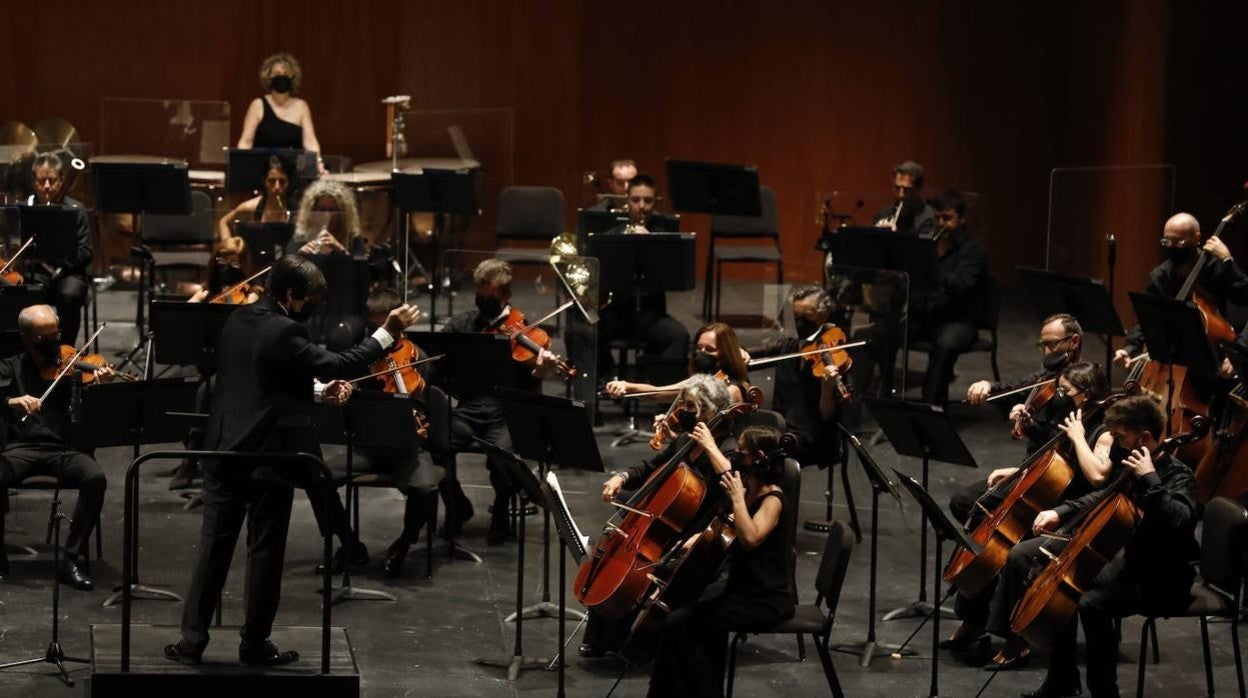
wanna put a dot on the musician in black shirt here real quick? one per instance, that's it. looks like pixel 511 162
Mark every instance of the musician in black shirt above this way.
pixel 64 279
pixel 907 213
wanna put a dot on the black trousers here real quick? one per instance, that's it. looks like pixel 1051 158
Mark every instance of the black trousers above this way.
pixel 974 610
pixel 949 340
pixel 230 499
pixel 663 338
pixel 693 646
pixel 81 472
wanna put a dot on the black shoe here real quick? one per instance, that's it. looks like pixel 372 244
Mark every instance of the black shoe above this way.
pixel 179 653
pixel 961 640
pixel 359 558
pixel 184 477
pixel 265 654
pixel 589 651
pixel 71 576
pixel 1055 691
pixel 500 527
pixel 395 555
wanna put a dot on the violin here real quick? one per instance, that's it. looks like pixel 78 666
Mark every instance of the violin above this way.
pixel 87 363
pixel 1092 539
pixel 829 336
pixel 8 275
pixel 1039 396
pixel 527 341
pixel 665 427
pixel 241 291
pixel 396 370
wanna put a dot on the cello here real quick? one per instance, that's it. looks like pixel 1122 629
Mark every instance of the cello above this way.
pixel 1037 485
pixel 1222 471
pixel 1093 538
pixel 617 576
pixel 665 426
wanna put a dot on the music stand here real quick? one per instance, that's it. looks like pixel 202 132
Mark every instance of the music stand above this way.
pixel 528 490
pixel 714 188
pixel 265 240
pixel 138 188
pixel 919 430
pixel 442 193
pixel 55 229
pixel 369 420
pixel 552 431
pixel 571 538
pixel 1084 298
pixel 641 264
pixel 246 169
pixel 1175 335
pixel 880 484
pixel 881 248
pixel 133 414
pixel 346 279
pixel 186 334
pixel 15 299
pixel 944 530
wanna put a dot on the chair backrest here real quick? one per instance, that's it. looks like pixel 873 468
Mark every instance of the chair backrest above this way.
pixel 765 225
pixel 1222 544
pixel 837 550
pixel 194 228
pixel 762 418
pixel 438 409
pixel 991 309
pixel 792 486
pixel 530 213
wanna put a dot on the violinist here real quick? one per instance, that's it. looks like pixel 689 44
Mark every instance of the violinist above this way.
pixel 272 205
pixel 39 444
pixel 482 415
pixel 810 405
pixel 1223 279
pixel 907 213
pixel 64 279
pixel 701 398
pixel 1154 573
pixel 718 353
pixel 263 402
pixel 1079 384
pixel 690 660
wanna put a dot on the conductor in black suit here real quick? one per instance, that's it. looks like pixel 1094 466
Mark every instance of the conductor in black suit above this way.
pixel 262 402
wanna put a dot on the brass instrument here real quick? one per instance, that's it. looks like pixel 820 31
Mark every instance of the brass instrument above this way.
pixel 74 167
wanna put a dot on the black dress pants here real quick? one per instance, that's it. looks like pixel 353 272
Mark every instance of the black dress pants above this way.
pixel 80 472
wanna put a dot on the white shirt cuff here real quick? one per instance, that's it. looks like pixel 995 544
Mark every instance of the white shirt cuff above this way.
pixel 383 337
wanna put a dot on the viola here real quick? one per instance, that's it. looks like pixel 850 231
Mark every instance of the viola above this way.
pixel 527 341
pixel 396 370
pixel 1037 399
pixel 829 337
pixel 617 576
pixel 1093 538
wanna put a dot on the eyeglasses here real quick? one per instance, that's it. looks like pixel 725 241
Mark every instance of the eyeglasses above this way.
pixel 1175 243
pixel 1062 393
pixel 1053 343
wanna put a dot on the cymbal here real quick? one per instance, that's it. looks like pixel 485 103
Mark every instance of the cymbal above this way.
pixel 17 133
pixel 56 130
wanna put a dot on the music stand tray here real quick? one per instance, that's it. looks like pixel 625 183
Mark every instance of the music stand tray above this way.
pixel 1174 332
pixel 1085 298
pixel 15 299
pixel 714 188
pixel 472 363
pixel 644 263
pixel 186 333
pixel 55 229
pixel 142 187
pixel 265 240
pixel 245 169
pixel 881 248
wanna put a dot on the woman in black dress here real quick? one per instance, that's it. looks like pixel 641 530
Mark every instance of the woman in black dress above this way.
pixel 278 119
pixel 758 593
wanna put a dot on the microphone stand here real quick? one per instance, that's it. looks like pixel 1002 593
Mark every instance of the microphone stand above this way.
pixel 1112 248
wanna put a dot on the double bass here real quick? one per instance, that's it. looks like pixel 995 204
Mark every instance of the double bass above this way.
pixel 618 575
pixel 1037 485
pixel 1093 538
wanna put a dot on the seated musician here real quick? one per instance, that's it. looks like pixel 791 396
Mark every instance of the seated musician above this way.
pixel 664 338
pixel 622 172
pixel 278 119
pixel 810 405
pixel 946 314
pixel 1222 278
pixel 717 351
pixel 1154 573
pixel 328 222
pixel 272 205
pixel 65 279
pixel 39 445
pixel 908 213
pixel 1079 385
pixel 482 415
pixel 690 660
pixel 701 398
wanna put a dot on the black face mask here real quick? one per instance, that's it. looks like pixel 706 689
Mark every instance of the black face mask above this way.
pixel 1181 255
pixel 806 328
pixel 687 420
pixel 1061 405
pixel 1056 361
pixel 1117 453
pixel 704 362
pixel 47 347
pixel 281 84
pixel 489 308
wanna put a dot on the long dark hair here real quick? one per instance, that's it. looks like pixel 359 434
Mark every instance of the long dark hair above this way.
pixel 769 469
pixel 1089 378
pixel 728 349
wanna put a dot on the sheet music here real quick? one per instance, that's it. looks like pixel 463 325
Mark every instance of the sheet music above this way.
pixel 566 514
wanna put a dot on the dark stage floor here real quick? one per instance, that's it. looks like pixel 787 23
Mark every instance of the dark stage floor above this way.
pixel 424 643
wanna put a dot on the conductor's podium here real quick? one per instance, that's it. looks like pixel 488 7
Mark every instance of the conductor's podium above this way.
pixel 220 674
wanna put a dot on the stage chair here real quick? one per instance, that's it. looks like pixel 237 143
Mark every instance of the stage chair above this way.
pixel 1217 591
pixel 528 214
pixel 988 322
pixel 764 227
pixel 181 242
pixel 48 483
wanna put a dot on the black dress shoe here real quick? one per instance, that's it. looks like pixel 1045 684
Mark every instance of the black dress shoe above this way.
pixel 589 651
pixel 71 576
pixel 1047 691
pixel 265 654
pixel 395 555
pixel 179 653
pixel 359 558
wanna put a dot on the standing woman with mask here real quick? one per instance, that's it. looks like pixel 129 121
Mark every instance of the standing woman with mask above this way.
pixel 278 119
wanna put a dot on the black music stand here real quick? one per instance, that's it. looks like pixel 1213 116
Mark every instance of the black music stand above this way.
pixel 920 430
pixel 443 193
pixel 881 248
pixel 714 188
pixel 528 490
pixel 54 228
pixel 1084 298
pixel 246 169
pixel 381 421
pixel 15 299
pixel 265 240
pixel 552 431
pixel 346 278
pixel 186 334
pixel 137 189
pixel 880 484
pixel 641 264
pixel 945 529
pixel 1175 335
pixel 133 414
pixel 571 538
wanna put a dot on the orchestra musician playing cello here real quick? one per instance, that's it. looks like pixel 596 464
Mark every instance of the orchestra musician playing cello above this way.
pixel 1154 573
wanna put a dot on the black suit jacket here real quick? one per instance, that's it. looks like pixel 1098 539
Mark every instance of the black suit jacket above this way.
pixel 263 396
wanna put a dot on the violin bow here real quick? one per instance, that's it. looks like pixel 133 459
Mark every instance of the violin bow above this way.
pixel 68 366
pixel 1019 390
pixel 546 317
pixel 9 263
pixel 753 363
pixel 396 368
pixel 241 284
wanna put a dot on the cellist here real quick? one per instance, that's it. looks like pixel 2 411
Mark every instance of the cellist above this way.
pixel 1079 384
pixel 1155 572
